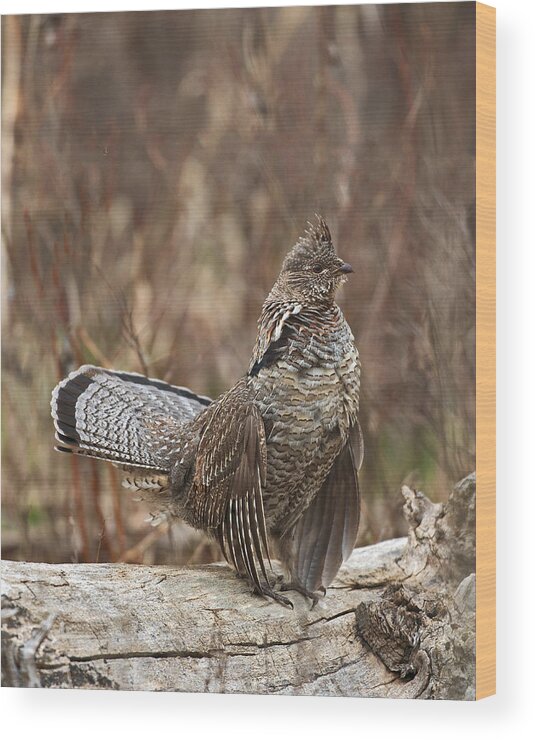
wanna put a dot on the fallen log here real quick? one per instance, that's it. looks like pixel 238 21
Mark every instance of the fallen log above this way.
pixel 399 621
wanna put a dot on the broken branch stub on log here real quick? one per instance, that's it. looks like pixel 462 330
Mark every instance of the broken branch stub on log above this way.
pixel 399 621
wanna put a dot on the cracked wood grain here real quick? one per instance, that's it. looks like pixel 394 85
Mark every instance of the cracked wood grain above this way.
pixel 397 622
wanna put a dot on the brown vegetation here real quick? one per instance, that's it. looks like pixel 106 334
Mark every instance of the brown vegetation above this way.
pixel 157 166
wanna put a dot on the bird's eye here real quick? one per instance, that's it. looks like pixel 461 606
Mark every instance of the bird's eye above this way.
pixel 317 268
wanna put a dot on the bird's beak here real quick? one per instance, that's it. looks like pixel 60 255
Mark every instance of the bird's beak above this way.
pixel 346 268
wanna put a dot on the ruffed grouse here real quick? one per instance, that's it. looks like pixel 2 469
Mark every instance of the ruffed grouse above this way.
pixel 273 462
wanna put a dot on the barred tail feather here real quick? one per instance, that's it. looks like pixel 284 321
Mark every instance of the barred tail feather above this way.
pixel 126 418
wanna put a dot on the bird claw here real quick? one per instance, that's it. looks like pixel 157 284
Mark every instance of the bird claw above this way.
pixel 268 592
pixel 279 598
pixel 312 595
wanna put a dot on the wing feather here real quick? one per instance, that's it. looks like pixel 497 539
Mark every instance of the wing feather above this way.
pixel 325 534
pixel 229 477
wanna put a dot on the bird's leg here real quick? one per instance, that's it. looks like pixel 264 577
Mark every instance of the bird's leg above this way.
pixel 314 596
pixel 277 579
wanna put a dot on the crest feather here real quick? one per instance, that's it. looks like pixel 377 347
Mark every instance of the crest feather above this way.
pixel 317 234
pixel 316 241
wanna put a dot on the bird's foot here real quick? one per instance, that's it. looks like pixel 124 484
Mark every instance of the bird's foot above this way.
pixel 314 596
pixel 268 589
pixel 269 593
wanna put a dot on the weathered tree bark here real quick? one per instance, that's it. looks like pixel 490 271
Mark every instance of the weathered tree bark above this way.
pixel 399 621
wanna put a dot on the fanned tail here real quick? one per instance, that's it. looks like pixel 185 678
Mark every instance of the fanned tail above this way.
pixel 128 419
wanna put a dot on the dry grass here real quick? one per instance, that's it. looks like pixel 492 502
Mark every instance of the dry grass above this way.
pixel 157 166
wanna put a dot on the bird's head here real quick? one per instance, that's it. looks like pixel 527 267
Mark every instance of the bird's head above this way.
pixel 312 271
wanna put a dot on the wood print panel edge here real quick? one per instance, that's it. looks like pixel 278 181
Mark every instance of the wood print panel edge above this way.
pixel 486 350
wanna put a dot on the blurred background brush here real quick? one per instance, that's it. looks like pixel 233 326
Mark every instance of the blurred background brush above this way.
pixel 157 166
